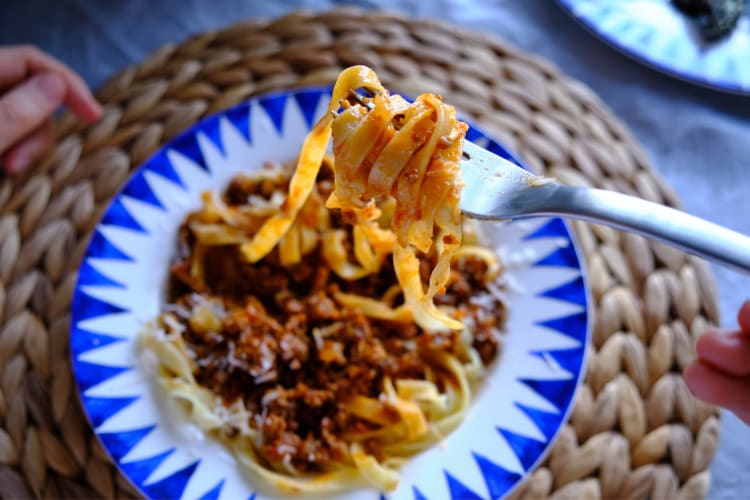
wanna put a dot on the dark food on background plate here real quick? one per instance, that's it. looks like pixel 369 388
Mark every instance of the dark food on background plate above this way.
pixel 714 18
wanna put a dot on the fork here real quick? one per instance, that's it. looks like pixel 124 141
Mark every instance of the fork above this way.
pixel 497 189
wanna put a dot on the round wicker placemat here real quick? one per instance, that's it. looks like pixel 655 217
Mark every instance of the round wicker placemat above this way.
pixel 636 430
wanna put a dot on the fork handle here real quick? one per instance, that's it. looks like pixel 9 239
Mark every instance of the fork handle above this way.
pixel 687 232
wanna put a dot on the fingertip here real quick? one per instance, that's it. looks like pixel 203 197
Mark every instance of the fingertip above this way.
pixel 703 382
pixel 85 107
pixel 718 388
pixel 691 374
pixel 81 101
pixel 706 342
pixel 96 108
pixel 12 162
pixel 727 351
pixel 743 317
pixel 15 163
pixel 95 112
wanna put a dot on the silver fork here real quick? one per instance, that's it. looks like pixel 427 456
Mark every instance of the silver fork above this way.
pixel 497 189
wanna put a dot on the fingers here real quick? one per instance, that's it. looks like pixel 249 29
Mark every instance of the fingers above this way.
pixel 721 389
pixel 18 63
pixel 30 149
pixel 743 318
pixel 35 85
pixel 28 106
pixel 726 351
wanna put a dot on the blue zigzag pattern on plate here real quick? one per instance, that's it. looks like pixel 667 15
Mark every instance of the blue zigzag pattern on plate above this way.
pixel 161 165
pixel 569 292
pixel 82 341
pixel 91 374
pixel 274 106
pixel 101 409
pixel 213 493
pixel 240 117
pixel 308 100
pixel 120 443
pixel 115 393
pixel 459 490
pixel 187 145
pixel 573 325
pixel 499 481
pixel 88 275
pixel 528 450
pixel 100 247
pixel 139 470
pixel 418 494
pixel 138 188
pixel 118 215
pixel 172 486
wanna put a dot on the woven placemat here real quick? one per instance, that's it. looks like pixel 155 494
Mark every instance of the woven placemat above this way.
pixel 636 430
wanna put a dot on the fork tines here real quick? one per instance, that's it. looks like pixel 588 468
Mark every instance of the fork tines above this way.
pixel 360 99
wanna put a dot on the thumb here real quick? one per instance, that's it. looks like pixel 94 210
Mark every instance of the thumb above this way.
pixel 29 105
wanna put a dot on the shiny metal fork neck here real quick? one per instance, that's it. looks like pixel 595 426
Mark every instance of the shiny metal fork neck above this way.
pixel 496 189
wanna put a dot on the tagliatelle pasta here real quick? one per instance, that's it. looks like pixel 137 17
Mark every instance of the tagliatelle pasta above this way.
pixel 329 322
pixel 384 147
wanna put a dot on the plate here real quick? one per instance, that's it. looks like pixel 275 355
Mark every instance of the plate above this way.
pixel 516 414
pixel 658 34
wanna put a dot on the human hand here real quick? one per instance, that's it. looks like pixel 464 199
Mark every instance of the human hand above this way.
pixel 721 374
pixel 32 86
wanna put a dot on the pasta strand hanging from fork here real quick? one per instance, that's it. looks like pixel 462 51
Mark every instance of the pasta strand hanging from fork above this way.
pixel 384 147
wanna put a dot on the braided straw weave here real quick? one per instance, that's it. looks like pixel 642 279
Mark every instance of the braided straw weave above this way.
pixel 636 430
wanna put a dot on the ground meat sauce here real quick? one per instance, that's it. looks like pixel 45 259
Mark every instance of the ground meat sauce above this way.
pixel 291 352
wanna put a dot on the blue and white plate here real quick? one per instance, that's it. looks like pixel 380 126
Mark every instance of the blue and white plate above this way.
pixel 516 414
pixel 658 34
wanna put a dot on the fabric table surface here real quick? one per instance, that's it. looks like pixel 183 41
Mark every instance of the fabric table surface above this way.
pixel 697 138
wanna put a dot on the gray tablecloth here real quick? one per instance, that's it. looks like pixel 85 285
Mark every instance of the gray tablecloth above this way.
pixel 698 139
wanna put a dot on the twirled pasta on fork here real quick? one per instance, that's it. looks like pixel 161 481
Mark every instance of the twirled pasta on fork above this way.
pixel 384 147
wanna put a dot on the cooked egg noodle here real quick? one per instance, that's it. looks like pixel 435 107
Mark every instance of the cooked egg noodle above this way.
pixel 411 415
